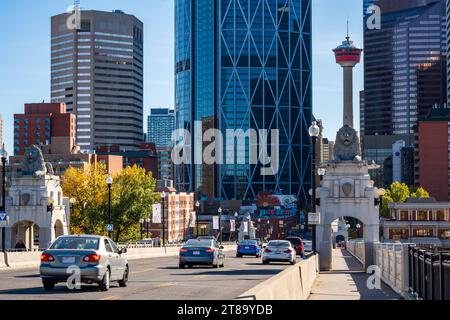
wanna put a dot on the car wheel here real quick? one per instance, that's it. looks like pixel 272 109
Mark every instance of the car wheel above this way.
pixel 182 265
pixel 124 282
pixel 105 283
pixel 48 284
pixel 239 255
pixel 265 262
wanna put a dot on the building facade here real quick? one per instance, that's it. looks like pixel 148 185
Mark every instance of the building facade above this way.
pixel 97 70
pixel 43 124
pixel 240 65
pixel 160 125
pixel 405 62
pixel 420 221
pixel 165 164
pixel 432 149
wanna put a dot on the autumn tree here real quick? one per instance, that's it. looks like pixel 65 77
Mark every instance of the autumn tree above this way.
pixel 400 192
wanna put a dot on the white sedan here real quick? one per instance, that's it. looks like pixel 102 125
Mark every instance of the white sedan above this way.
pixel 279 251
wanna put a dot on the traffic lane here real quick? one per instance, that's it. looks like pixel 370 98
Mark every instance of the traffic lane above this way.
pixel 151 279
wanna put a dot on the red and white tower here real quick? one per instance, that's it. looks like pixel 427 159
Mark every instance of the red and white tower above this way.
pixel 348 55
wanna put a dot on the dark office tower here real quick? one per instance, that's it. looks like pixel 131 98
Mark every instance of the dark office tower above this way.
pixel 409 47
pixel 448 51
pixel 97 70
pixel 245 64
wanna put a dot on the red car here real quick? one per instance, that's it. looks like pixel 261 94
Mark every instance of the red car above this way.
pixel 297 243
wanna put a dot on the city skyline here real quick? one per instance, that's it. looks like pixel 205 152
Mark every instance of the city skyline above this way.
pixel 31 78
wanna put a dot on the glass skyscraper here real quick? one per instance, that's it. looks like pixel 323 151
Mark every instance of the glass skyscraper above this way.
pixel 244 64
pixel 160 125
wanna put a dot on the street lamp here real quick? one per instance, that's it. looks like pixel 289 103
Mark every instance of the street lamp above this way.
pixel 109 182
pixel 358 226
pixel 148 227
pixel 141 222
pixel 163 199
pixel 4 155
pixel 72 202
pixel 321 172
pixel 314 132
pixel 197 207
pixel 219 211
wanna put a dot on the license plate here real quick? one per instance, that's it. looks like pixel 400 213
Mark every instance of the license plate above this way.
pixel 68 259
pixel 196 253
pixel 247 248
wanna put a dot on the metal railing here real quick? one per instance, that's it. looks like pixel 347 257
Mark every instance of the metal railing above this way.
pixel 429 273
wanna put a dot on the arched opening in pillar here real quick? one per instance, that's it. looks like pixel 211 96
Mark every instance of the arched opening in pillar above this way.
pixel 59 228
pixel 25 235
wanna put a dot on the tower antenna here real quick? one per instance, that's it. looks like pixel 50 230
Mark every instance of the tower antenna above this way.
pixel 76 3
pixel 348 35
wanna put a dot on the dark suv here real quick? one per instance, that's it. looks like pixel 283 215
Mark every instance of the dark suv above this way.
pixel 297 243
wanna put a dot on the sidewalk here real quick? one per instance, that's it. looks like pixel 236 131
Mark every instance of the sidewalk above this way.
pixel 347 281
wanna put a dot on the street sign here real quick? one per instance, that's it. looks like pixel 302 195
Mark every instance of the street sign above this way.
pixel 109 227
pixel 313 218
pixel 216 223
pixel 232 225
pixel 156 216
pixel 3 219
pixel 193 219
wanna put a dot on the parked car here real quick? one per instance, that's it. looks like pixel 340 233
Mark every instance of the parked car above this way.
pixel 202 252
pixel 248 248
pixel 297 243
pixel 99 259
pixel 279 251
pixel 206 238
pixel 308 245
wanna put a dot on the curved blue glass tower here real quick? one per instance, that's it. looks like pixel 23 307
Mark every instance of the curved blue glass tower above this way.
pixel 245 64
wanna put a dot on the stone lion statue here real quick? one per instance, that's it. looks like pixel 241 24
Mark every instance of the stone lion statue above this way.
pixel 33 163
pixel 347 146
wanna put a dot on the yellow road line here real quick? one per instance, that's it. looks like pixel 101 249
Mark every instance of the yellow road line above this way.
pixel 110 298
pixel 165 285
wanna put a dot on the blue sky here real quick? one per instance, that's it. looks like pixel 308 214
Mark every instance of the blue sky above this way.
pixel 25 53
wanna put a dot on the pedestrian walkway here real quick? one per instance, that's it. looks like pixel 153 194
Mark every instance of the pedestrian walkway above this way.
pixel 347 281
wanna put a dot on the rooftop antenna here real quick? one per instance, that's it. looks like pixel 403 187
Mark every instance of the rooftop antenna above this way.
pixel 348 36
pixel 76 3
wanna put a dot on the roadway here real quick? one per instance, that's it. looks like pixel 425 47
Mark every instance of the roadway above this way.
pixel 151 279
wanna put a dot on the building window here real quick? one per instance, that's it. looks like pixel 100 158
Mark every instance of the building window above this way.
pixel 398 234
pixel 440 214
pixel 422 215
pixel 423 233
pixel 444 234
pixel 404 215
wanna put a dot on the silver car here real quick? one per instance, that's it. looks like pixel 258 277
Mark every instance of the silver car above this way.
pixel 96 259
pixel 279 251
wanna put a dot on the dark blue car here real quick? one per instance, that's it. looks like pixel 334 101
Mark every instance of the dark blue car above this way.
pixel 248 248
pixel 202 252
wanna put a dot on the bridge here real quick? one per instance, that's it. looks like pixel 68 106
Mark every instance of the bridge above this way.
pixel 155 275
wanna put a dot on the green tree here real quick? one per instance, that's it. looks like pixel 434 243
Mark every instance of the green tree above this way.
pixel 132 199
pixel 420 193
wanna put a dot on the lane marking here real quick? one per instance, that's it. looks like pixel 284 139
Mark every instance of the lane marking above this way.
pixel 142 271
pixel 110 298
pixel 165 285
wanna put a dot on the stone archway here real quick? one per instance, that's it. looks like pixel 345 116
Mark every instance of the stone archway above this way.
pixel 339 238
pixel 26 232
pixel 58 228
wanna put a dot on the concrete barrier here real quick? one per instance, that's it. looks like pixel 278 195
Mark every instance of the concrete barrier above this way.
pixel 294 283
pixel 24 260
pixel 357 249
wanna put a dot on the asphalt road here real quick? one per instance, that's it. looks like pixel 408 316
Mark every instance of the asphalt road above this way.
pixel 151 279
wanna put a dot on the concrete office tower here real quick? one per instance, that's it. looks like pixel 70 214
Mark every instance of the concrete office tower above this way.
pixel 404 65
pixel 160 125
pixel 97 70
pixel 397 160
pixel 240 65
pixel 348 55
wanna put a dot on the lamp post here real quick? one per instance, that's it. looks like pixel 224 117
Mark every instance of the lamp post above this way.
pixel 314 132
pixel 219 211
pixel 197 208
pixel 358 227
pixel 109 182
pixel 147 227
pixel 236 215
pixel 72 202
pixel 4 155
pixel 321 172
pixel 259 228
pixel 141 223
pixel 163 199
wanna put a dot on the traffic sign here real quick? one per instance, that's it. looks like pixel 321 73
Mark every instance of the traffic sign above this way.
pixel 110 227
pixel 3 219
pixel 313 218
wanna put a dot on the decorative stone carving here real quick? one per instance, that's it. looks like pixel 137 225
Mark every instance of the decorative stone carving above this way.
pixel 33 163
pixel 347 189
pixel 347 147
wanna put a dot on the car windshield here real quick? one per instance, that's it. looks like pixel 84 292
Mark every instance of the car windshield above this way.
pixel 76 243
pixel 248 242
pixel 278 244
pixel 198 243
